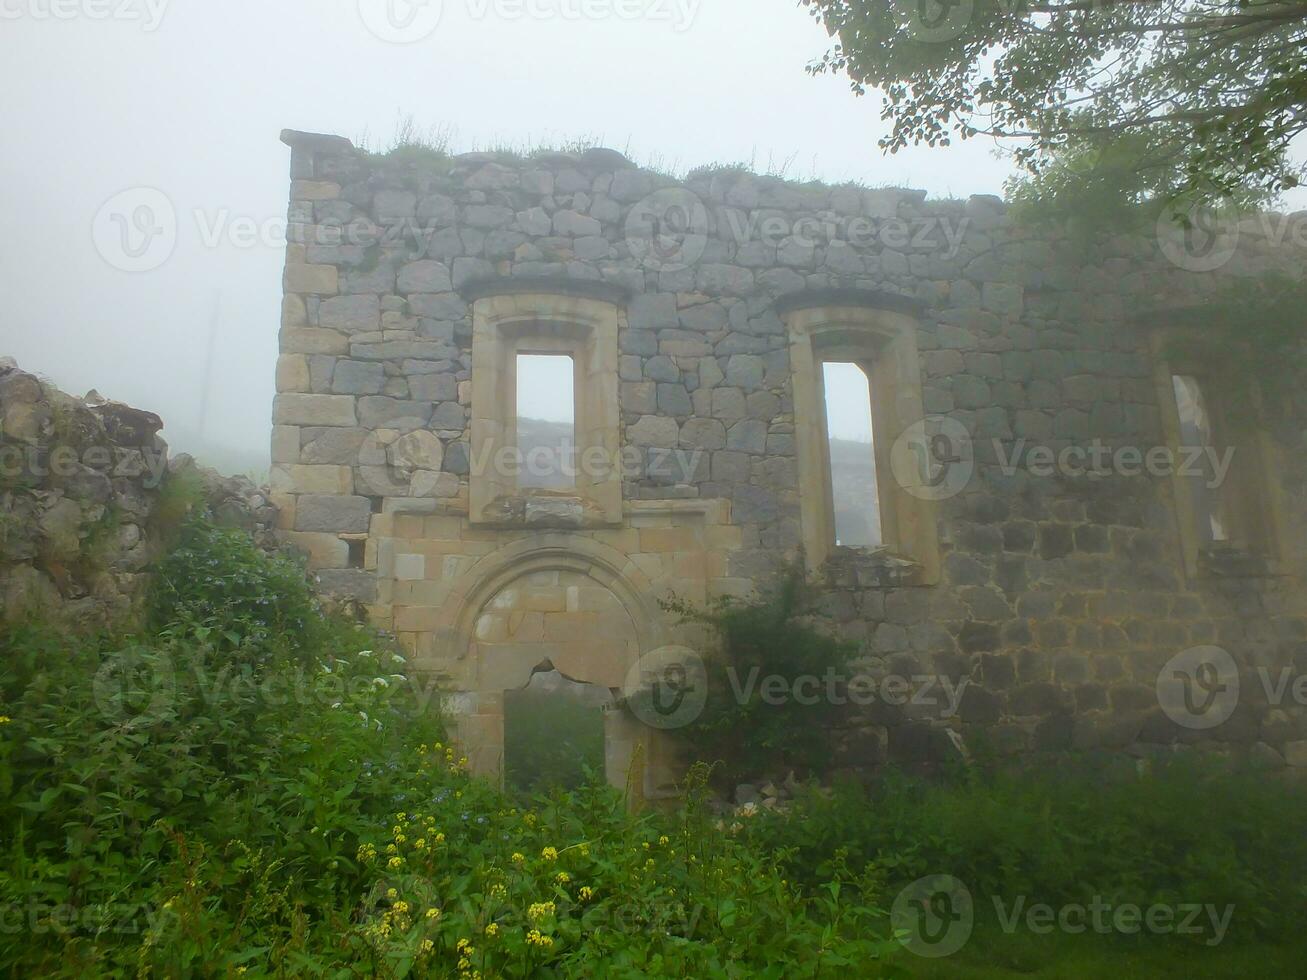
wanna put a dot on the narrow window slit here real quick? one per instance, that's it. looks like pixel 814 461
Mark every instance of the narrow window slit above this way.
pixel 546 421
pixel 851 456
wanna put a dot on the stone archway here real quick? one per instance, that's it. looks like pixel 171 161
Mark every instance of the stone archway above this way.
pixel 554 601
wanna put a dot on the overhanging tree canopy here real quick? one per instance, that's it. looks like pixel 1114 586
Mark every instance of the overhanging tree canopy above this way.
pixel 1106 101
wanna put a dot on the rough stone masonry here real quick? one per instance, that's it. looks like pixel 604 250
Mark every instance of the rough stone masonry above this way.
pixel 698 314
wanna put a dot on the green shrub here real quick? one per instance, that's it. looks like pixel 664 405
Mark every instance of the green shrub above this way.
pixel 251 740
pixel 217 587
pixel 578 887
pixel 1181 835
pixel 771 636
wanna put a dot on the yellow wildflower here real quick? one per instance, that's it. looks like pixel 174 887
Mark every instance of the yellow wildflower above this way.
pixel 492 930
pixel 392 894
pixel 433 913
pixel 587 893
pixel 395 862
pixel 549 854
pixel 562 877
pixel 540 910
pixel 426 947
pixel 535 938
pixel 518 857
pixel 663 841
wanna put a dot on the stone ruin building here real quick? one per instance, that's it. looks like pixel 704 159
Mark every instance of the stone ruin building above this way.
pixel 699 316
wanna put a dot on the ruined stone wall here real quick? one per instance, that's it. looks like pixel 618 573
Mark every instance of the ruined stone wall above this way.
pixel 81 483
pixel 1057 599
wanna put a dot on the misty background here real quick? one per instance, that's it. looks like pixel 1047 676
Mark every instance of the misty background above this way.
pixel 188 98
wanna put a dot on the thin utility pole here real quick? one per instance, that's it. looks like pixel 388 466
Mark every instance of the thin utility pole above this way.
pixel 208 363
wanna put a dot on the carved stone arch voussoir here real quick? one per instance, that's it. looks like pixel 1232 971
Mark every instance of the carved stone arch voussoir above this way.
pixel 554 551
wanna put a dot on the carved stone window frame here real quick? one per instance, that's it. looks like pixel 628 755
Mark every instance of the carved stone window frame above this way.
pixel 1254 495
pixel 516 321
pixel 883 342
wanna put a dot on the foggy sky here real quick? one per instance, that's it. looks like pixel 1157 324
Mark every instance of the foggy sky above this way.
pixel 192 106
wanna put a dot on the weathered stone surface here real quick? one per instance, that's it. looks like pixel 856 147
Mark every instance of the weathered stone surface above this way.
pixel 336 513
pixel 703 434
pixel 416 451
pixel 350 314
pixel 375 411
pixel 652 430
pixel 426 276
pixel 357 378
pixel 1061 597
pixel 297 409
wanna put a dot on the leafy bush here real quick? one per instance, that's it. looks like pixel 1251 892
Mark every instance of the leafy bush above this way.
pixel 212 797
pixel 578 887
pixel 1177 836
pixel 251 740
pixel 770 637
pixel 216 586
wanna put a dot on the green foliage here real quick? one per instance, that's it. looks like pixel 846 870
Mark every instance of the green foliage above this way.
pixel 578 887
pixel 242 755
pixel 216 586
pixel 767 638
pixel 550 740
pixel 1180 835
pixel 1250 329
pixel 180 495
pixel 1136 98
pixel 213 796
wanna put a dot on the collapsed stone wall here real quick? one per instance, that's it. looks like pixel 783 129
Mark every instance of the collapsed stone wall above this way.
pixel 81 483
pixel 1059 599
